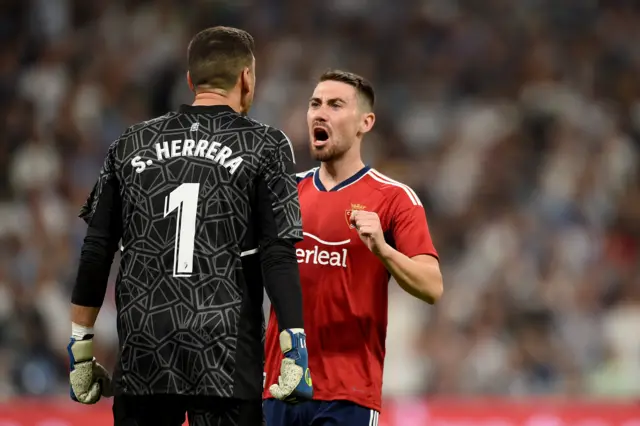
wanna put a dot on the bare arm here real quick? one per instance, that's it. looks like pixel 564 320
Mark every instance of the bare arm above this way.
pixel 414 263
pixel 83 315
pixel 419 276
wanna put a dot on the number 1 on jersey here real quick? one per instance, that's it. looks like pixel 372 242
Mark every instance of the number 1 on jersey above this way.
pixel 185 199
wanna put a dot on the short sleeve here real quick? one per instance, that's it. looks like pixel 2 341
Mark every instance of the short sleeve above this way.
pixel 107 180
pixel 409 226
pixel 278 203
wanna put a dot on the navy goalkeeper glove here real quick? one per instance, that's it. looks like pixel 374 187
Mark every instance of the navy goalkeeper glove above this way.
pixel 294 383
pixel 88 380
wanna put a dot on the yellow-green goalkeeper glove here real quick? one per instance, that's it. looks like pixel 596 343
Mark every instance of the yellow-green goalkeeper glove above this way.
pixel 88 380
pixel 294 383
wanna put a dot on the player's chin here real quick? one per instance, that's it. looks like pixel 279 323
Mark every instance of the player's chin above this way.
pixel 322 153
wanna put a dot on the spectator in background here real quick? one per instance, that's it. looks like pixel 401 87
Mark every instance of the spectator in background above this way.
pixel 517 122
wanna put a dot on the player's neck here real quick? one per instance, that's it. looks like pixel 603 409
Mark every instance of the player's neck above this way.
pixel 216 98
pixel 334 172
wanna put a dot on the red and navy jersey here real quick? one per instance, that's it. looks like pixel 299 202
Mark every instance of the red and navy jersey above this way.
pixel 345 286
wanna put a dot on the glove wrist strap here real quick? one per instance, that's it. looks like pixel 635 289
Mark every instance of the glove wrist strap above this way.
pixel 80 332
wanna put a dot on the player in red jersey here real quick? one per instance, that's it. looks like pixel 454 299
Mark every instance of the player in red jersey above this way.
pixel 359 227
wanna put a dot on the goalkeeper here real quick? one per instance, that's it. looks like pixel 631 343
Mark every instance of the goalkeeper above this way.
pixel 199 239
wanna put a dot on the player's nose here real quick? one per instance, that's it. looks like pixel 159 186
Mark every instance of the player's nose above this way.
pixel 319 115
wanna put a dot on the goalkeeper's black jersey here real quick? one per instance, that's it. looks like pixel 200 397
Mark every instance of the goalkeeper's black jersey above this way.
pixel 191 194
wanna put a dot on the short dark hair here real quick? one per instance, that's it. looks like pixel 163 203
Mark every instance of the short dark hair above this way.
pixel 363 87
pixel 217 56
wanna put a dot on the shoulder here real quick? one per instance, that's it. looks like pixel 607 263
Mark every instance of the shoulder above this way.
pixel 395 191
pixel 270 135
pixel 276 141
pixel 306 175
pixel 143 125
pixel 144 130
pixel 242 123
pixel 275 137
pixel 131 133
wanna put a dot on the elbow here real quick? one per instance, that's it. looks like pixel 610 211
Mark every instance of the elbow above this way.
pixel 433 286
pixel 436 289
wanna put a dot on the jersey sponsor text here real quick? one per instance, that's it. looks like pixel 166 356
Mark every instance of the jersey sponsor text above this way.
pixel 316 256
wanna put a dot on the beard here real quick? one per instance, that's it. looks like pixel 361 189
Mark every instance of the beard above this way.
pixel 327 153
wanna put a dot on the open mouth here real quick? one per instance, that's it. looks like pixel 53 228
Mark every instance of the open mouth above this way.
pixel 320 134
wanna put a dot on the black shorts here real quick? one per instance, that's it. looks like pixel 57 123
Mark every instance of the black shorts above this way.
pixel 171 410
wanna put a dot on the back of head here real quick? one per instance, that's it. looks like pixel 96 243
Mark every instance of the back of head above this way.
pixel 218 56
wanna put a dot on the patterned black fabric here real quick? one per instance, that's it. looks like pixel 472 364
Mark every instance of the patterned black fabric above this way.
pixel 189 292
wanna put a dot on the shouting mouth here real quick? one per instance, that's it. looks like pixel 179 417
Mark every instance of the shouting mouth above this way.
pixel 320 136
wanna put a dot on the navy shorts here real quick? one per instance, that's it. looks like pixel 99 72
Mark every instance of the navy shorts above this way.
pixel 318 413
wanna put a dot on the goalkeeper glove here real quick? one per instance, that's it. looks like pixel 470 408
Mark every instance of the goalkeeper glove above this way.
pixel 88 379
pixel 294 382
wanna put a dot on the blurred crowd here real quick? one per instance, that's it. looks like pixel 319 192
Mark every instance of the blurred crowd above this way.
pixel 517 122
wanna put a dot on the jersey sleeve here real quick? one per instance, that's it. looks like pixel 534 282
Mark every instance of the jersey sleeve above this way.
pixel 105 195
pixel 103 214
pixel 410 229
pixel 278 204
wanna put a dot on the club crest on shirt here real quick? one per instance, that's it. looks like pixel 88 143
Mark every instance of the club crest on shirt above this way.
pixel 348 212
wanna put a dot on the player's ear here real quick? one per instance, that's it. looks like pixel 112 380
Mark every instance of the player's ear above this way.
pixel 368 120
pixel 190 82
pixel 245 80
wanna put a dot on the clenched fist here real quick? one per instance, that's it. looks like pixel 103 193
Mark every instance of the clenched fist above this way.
pixel 369 229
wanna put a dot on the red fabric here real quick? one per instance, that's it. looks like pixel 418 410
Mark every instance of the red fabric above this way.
pixel 344 285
